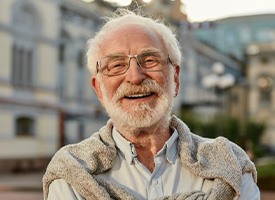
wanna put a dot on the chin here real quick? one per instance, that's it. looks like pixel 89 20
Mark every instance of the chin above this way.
pixel 140 116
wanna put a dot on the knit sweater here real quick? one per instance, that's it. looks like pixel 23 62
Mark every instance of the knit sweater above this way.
pixel 217 159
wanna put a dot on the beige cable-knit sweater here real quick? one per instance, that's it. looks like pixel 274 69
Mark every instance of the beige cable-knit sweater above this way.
pixel 216 159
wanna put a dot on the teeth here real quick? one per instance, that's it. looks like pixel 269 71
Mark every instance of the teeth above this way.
pixel 138 95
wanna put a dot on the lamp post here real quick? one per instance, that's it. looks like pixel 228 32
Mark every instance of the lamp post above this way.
pixel 218 80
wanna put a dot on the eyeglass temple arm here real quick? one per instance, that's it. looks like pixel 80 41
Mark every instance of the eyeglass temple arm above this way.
pixel 169 60
pixel 97 65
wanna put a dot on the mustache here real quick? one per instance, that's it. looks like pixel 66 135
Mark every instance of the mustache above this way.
pixel 146 86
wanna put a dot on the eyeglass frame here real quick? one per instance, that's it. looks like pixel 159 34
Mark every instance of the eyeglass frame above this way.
pixel 130 57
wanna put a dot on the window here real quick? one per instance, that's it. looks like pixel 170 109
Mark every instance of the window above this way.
pixel 64 48
pixel 61 53
pixel 24 126
pixel 80 59
pixel 265 34
pixel 265 60
pixel 81 76
pixel 265 88
pixel 26 21
pixel 22 66
pixel 166 2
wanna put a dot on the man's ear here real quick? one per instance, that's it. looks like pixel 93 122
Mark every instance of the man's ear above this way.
pixel 177 79
pixel 96 85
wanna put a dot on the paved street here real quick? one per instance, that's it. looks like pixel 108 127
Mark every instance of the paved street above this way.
pixel 21 186
pixel 15 195
pixel 267 195
pixel 29 187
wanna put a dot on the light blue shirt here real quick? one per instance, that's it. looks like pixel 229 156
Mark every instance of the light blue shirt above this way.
pixel 169 176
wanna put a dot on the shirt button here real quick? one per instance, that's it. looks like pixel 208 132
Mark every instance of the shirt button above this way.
pixel 156 182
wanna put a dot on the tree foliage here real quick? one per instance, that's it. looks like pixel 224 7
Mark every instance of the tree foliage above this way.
pixel 247 135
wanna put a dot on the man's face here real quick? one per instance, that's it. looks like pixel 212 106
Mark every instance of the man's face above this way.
pixel 137 98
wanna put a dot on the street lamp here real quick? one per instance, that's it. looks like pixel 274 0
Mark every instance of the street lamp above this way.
pixel 218 80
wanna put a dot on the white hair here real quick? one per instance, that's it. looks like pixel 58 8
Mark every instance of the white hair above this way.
pixel 124 17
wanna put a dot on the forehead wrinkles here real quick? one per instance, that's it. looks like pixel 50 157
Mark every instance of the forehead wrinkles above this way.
pixel 130 37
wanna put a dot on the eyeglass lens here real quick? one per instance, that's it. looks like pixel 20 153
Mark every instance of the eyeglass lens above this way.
pixel 118 64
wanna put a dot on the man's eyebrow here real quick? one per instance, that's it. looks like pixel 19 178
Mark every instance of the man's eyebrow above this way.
pixel 150 50
pixel 142 51
pixel 116 54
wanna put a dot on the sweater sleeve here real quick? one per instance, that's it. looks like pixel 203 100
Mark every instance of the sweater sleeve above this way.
pixel 59 190
pixel 249 189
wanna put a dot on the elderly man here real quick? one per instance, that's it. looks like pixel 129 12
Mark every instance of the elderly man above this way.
pixel 144 152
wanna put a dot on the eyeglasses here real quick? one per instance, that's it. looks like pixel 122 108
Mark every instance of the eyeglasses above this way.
pixel 114 65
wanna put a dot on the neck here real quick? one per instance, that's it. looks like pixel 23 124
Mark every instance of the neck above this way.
pixel 147 141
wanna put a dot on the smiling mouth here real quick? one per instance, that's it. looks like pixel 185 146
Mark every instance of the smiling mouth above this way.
pixel 138 96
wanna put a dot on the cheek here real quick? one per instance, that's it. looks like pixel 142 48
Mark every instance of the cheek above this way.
pixel 164 80
pixel 110 88
pixel 160 77
pixel 167 81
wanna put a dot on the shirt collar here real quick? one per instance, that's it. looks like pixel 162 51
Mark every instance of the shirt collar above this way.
pixel 171 147
pixel 127 149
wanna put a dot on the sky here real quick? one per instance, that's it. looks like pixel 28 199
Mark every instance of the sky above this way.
pixel 207 10
pixel 204 10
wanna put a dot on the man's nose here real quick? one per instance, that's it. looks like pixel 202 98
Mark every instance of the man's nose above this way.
pixel 135 73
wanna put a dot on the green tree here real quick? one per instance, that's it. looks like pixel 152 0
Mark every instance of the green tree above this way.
pixel 253 131
pixel 247 135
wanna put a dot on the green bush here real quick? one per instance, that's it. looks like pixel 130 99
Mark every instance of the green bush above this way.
pixel 254 131
pixel 266 176
pixel 246 135
pixel 192 120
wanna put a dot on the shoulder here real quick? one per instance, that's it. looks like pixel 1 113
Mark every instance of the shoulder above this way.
pixel 97 141
pixel 86 151
pixel 60 189
pixel 93 155
pixel 232 149
pixel 212 152
pixel 226 150
pixel 196 143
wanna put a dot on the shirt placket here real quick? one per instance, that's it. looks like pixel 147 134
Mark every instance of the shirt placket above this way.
pixel 154 180
pixel 155 186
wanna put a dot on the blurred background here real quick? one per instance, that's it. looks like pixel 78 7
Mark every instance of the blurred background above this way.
pixel 46 101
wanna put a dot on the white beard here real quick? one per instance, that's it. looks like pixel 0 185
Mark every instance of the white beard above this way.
pixel 141 115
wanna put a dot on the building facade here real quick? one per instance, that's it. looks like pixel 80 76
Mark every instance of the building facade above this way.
pixel 45 96
pixel 232 35
pixel 28 102
pixel 46 100
pixel 198 61
pixel 260 73
pixel 249 41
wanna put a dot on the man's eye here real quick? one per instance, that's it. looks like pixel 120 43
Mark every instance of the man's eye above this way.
pixel 150 59
pixel 117 65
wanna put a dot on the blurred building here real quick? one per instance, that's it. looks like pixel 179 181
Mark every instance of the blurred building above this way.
pixel 45 95
pixel 232 35
pixel 165 9
pixel 247 41
pixel 198 61
pixel 260 74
